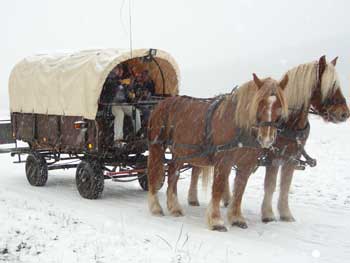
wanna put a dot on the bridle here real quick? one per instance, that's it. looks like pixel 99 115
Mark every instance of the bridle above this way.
pixel 327 103
pixel 275 124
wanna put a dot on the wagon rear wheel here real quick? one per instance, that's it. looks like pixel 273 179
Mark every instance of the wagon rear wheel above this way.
pixel 36 169
pixel 89 179
pixel 143 181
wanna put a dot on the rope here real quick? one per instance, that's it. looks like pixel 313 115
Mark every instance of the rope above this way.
pixel 123 24
pixel 130 28
pixel 121 17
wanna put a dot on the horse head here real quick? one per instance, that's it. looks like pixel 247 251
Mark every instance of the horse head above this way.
pixel 327 98
pixel 269 108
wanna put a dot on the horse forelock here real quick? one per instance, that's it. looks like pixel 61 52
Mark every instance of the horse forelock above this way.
pixel 249 98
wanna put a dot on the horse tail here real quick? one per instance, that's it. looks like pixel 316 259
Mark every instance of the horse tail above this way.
pixel 207 175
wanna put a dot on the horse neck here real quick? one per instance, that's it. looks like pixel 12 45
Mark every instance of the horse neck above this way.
pixel 226 112
pixel 299 120
pixel 302 80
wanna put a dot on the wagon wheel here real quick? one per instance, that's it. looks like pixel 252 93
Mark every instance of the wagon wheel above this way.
pixel 143 181
pixel 36 169
pixel 89 179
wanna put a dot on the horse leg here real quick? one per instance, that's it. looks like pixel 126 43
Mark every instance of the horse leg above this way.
pixel 267 214
pixel 234 212
pixel 283 205
pixel 173 204
pixel 155 175
pixel 192 197
pixel 214 220
pixel 227 194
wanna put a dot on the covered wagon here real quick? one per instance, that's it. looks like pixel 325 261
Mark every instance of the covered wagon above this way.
pixel 57 108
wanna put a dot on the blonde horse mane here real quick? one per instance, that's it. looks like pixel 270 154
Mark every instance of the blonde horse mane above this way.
pixel 248 98
pixel 302 81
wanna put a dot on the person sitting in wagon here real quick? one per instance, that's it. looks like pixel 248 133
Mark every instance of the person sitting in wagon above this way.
pixel 143 87
pixel 119 82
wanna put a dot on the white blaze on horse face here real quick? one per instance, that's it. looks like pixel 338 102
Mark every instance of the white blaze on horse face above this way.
pixel 269 136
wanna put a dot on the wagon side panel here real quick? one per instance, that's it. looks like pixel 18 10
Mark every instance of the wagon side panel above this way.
pixel 92 135
pixel 71 138
pixel 48 130
pixel 24 126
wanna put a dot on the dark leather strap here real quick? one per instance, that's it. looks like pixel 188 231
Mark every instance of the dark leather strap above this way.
pixel 294 134
pixel 242 138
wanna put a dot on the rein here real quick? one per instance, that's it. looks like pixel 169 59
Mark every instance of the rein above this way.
pixel 299 135
pixel 296 135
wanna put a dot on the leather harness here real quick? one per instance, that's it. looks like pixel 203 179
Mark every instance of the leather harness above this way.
pixel 299 135
pixel 207 149
pixel 242 139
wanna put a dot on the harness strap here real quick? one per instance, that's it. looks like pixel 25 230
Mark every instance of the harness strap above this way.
pixel 241 139
pixel 294 134
pixel 208 127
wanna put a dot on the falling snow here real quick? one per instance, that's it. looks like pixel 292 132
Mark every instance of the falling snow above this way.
pixel 54 224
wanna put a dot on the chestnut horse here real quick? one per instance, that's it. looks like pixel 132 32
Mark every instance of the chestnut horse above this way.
pixel 313 85
pixel 212 134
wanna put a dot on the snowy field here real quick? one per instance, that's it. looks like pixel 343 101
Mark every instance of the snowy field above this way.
pixel 54 224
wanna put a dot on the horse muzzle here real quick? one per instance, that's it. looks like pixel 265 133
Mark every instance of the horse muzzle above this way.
pixel 266 141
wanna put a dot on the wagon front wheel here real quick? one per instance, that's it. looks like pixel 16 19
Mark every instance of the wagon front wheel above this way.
pixel 36 169
pixel 89 179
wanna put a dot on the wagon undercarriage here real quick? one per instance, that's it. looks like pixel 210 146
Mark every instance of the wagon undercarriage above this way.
pixel 92 168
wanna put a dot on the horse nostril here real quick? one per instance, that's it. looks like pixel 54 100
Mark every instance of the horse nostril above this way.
pixel 345 116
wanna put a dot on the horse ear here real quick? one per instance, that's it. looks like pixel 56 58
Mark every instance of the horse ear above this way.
pixel 284 82
pixel 257 81
pixel 334 61
pixel 322 65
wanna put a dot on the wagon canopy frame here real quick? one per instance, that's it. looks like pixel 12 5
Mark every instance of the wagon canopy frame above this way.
pixel 70 84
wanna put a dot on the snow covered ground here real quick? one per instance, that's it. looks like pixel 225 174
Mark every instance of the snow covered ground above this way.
pixel 54 224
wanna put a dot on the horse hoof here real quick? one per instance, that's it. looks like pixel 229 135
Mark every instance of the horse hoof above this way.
pixel 193 203
pixel 287 218
pixel 219 228
pixel 177 213
pixel 268 219
pixel 242 225
pixel 158 213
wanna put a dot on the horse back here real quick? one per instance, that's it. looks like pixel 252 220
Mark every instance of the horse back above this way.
pixel 180 119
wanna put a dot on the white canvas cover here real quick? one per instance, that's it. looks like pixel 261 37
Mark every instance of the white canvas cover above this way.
pixel 71 84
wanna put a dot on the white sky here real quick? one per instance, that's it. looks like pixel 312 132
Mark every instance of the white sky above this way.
pixel 216 43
